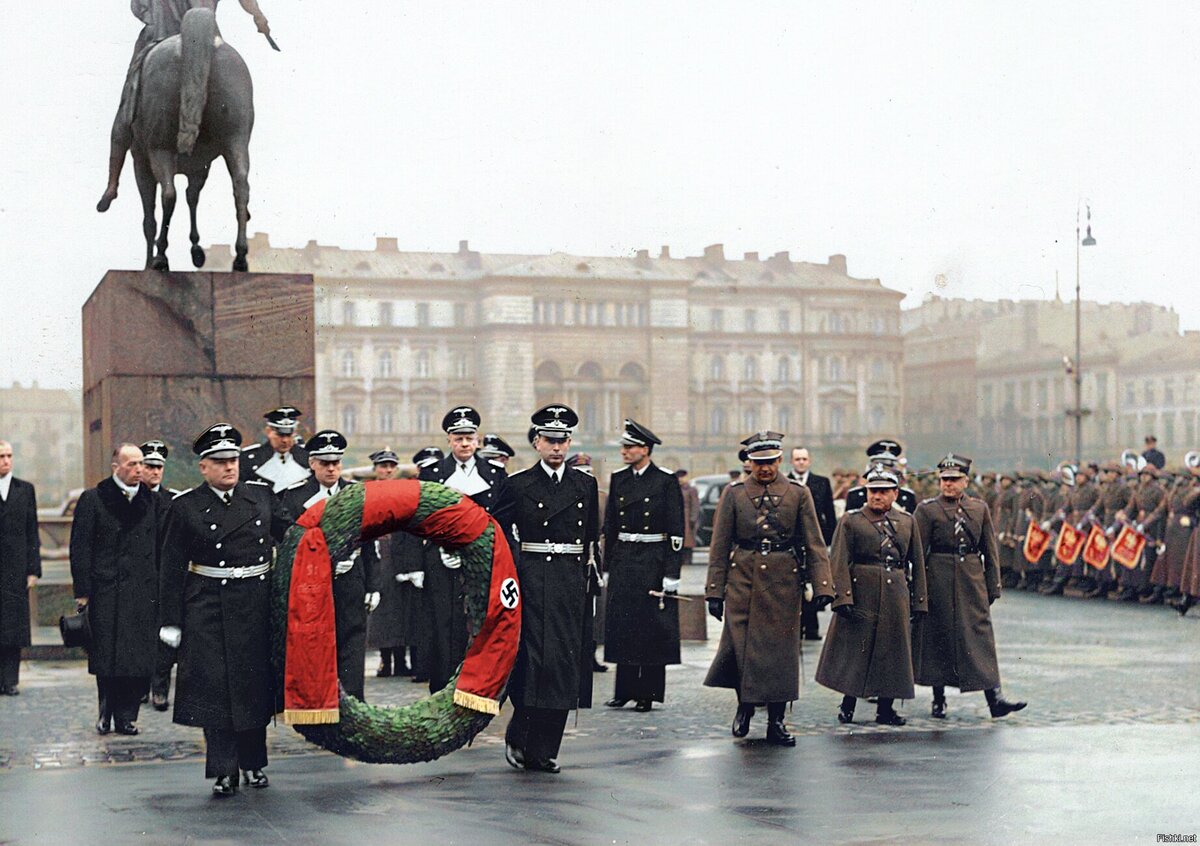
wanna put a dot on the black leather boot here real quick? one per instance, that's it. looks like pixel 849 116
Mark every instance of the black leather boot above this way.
pixel 846 710
pixel 255 778
pixel 777 733
pixel 741 720
pixel 1155 597
pixel 886 714
pixel 1054 588
pixel 938 710
pixel 1184 604
pixel 999 706
pixel 385 664
pixel 225 786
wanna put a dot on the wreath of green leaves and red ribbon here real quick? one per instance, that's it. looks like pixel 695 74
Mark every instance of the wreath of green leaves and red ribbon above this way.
pixel 304 644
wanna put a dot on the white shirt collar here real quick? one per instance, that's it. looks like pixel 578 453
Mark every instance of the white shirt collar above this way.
pixel 638 472
pixel 130 491
pixel 5 482
pixel 467 466
pixel 220 494
pixel 802 478
pixel 328 490
pixel 551 472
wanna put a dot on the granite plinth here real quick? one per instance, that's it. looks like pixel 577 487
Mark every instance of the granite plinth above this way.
pixel 168 354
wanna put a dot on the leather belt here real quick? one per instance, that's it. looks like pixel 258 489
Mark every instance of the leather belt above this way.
pixel 343 567
pixel 887 565
pixel 765 546
pixel 950 550
pixel 634 537
pixel 553 548
pixel 229 572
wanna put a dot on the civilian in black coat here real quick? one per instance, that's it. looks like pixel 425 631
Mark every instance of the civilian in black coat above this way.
pixel 20 567
pixel 822 495
pixel 114 568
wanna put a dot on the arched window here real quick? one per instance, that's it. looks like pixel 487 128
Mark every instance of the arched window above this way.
pixel 590 383
pixel 716 367
pixel 349 419
pixel 783 419
pixel 750 419
pixel 423 369
pixel 384 364
pixel 423 419
pixel 750 369
pixel 387 418
pixel 349 363
pixel 634 391
pixel 547 384
pixel 716 421
pixel 837 420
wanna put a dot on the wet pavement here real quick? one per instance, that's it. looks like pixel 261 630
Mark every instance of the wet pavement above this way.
pixel 1108 751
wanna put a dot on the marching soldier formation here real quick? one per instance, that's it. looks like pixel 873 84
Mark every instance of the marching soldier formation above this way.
pixel 169 577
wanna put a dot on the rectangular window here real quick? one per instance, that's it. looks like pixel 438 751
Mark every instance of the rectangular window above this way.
pixel 1043 395
pixel 785 321
pixel 749 320
pixel 349 318
pixel 1148 390
pixel 1169 392
pixel 460 314
pixel 716 319
pixel 422 314
pixel 385 314
pixel 387 419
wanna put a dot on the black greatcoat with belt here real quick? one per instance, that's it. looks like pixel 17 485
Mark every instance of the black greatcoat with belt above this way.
pixel 20 557
pixel 443 591
pixel 349 591
pixel 636 630
pixel 114 563
pixel 224 679
pixel 554 664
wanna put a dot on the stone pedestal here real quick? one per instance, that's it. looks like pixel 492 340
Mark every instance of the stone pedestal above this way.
pixel 168 354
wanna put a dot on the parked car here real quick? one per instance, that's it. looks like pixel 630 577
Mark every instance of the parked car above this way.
pixel 709 488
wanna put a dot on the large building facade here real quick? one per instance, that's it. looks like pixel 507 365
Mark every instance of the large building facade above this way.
pixel 43 426
pixel 704 350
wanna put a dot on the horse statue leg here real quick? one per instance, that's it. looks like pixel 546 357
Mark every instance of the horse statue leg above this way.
pixel 162 163
pixel 237 159
pixel 147 188
pixel 195 186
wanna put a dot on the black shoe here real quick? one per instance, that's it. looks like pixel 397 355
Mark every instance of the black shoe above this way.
pixel 1022 583
pixel 938 710
pixel 126 727
pixel 514 756
pixel 1098 592
pixel 616 703
pixel 597 667
pixel 890 718
pixel 255 778
pixel 1002 707
pixel 416 679
pixel 845 716
pixel 1055 588
pixel 778 735
pixel 642 706
pixel 224 786
pixel 104 725
pixel 383 672
pixel 403 670
pixel 741 720
pixel 1128 595
pixel 1154 597
pixel 10 691
pixel 1184 604
pixel 160 703
pixel 545 765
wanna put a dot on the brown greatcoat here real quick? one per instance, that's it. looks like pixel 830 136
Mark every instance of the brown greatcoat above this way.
pixel 953 645
pixel 868 652
pixel 759 652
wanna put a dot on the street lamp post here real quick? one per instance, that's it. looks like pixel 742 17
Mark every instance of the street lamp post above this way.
pixel 1079 411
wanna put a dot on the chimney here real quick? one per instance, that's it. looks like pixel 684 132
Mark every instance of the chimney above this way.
pixel 387 245
pixel 714 253
pixel 471 256
pixel 751 257
pixel 312 251
pixel 259 241
pixel 781 260
pixel 665 252
pixel 838 264
pixel 463 247
pixel 642 259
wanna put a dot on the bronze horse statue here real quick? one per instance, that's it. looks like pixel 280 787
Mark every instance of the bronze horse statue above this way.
pixel 195 103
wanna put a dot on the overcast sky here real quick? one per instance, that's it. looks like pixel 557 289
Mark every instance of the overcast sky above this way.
pixel 922 140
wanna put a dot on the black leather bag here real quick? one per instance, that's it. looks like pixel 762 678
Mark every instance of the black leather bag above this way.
pixel 75 629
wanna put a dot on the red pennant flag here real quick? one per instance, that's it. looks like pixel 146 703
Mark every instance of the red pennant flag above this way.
pixel 1095 550
pixel 1128 547
pixel 1036 541
pixel 1070 544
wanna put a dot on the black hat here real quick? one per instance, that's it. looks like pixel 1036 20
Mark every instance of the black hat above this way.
pixel 327 445
pixel 494 446
pixel 219 441
pixel 385 456
pixel 743 456
pixel 555 422
pixel 532 434
pixel 764 446
pixel 154 453
pixel 463 420
pixel 881 477
pixel 636 434
pixel 428 455
pixel 283 419
pixel 885 450
pixel 954 467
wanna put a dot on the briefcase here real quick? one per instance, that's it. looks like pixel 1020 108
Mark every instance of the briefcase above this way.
pixel 75 629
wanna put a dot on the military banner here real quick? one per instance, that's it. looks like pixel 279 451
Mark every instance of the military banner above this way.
pixel 1095 549
pixel 1127 549
pixel 1036 541
pixel 1070 544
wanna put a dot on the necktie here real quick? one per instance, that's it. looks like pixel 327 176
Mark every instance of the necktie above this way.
pixel 463 467
pixel 227 497
pixel 128 495
pixel 555 477
pixel 283 456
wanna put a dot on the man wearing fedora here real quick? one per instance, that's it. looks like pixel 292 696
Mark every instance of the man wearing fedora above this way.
pixel 214 603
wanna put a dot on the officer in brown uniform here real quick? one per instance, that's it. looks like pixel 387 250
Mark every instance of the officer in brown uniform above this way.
pixel 766 552
pixel 1031 507
pixel 1004 520
pixel 1148 512
pixel 1168 569
pixel 953 644
pixel 1116 500
pixel 868 651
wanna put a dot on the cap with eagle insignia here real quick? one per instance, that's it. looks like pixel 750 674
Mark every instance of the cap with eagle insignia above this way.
pixel 953 467
pixel 636 434
pixel 427 456
pixel 764 446
pixel 154 453
pixel 885 451
pixel 283 419
pixel 881 477
pixel 463 420
pixel 219 441
pixel 327 445
pixel 494 446
pixel 385 456
pixel 555 422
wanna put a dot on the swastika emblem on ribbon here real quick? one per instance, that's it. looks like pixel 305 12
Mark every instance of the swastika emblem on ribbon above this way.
pixel 510 594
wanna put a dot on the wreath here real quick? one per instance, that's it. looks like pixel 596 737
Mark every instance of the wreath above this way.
pixel 304 643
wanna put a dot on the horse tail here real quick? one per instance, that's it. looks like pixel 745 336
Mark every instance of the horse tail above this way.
pixel 197 38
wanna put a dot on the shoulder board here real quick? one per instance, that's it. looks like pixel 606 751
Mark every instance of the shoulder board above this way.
pixel 584 472
pixel 258 482
pixel 290 487
pixel 497 464
pixel 178 494
pixel 850 511
pixel 665 470
pixel 929 499
pixel 856 488
pixel 795 482
pixel 249 447
pixel 735 483
pixel 521 472
pixel 174 493
pixel 621 469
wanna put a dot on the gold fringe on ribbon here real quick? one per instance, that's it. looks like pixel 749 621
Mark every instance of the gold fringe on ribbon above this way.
pixel 476 702
pixel 310 717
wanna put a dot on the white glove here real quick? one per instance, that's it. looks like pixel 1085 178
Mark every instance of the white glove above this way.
pixel 171 636
pixel 450 559
pixel 670 585
pixel 417 578
pixel 371 600
pixel 604 579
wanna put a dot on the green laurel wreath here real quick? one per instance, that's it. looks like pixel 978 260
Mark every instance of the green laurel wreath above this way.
pixel 375 734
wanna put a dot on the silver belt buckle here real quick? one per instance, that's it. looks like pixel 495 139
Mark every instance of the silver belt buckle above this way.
pixel 236 572
pixel 764 547
pixel 558 548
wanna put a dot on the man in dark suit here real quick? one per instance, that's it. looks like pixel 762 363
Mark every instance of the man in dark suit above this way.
pixel 154 463
pixel 355 580
pixel 556 515
pixel 487 485
pixel 1152 454
pixel 279 459
pixel 20 567
pixel 114 569
pixel 214 606
pixel 822 495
